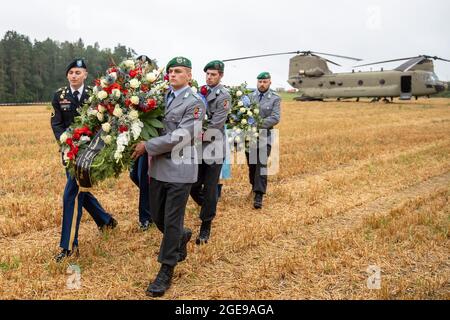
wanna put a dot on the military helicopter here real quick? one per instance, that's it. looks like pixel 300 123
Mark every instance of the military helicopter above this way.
pixel 309 73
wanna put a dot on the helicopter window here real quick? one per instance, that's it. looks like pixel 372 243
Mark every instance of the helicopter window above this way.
pixel 332 83
pixel 340 83
pixel 382 82
pixel 360 82
pixel 321 85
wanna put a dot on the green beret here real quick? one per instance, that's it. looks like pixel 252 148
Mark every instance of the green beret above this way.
pixel 77 63
pixel 264 75
pixel 179 62
pixel 215 65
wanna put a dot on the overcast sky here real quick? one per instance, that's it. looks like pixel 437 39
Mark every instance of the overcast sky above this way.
pixel 205 30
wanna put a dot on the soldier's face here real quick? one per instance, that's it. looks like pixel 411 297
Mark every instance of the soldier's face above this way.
pixel 179 77
pixel 76 77
pixel 213 77
pixel 264 85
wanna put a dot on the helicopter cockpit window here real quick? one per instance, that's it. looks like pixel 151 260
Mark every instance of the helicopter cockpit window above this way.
pixel 333 83
pixel 382 82
pixel 340 83
pixel 360 82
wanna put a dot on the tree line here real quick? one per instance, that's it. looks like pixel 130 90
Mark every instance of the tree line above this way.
pixel 33 71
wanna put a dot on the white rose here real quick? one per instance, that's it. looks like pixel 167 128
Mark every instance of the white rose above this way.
pixel 63 137
pixel 134 100
pixel 151 77
pixel 92 112
pixel 240 104
pixel 242 110
pixel 254 129
pixel 107 139
pixel 129 64
pixel 237 139
pixel 102 95
pixel 249 113
pixel 244 121
pixel 134 115
pixel 101 108
pixel 256 111
pixel 134 83
pixel 117 112
pixel 100 117
pixel 239 94
pixel 104 83
pixel 116 93
pixel 113 75
pixel 238 131
pixel 194 89
pixel 106 127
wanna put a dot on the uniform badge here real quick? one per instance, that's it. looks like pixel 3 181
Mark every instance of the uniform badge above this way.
pixel 179 60
pixel 79 63
pixel 196 113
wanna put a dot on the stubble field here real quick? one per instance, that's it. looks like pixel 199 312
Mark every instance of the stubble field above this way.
pixel 359 185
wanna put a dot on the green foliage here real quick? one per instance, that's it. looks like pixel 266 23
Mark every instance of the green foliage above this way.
pixel 32 72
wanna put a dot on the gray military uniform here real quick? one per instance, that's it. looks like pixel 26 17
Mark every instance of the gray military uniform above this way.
pixel 269 110
pixel 219 103
pixel 185 112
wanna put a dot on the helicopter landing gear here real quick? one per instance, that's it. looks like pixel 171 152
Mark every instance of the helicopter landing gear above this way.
pixel 357 99
pixel 375 100
pixel 386 100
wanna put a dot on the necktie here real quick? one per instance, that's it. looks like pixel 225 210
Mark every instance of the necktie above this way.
pixel 75 95
pixel 261 95
pixel 170 98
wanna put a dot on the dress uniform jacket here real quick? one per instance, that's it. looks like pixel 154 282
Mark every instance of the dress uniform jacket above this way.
pixel 181 117
pixel 219 102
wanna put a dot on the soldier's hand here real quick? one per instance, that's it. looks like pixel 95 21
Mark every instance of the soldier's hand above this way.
pixel 139 150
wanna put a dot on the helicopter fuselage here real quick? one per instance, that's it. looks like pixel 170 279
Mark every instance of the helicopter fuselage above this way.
pixel 371 84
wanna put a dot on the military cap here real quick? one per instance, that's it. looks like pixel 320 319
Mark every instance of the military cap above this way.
pixel 215 65
pixel 264 75
pixel 179 62
pixel 77 63
pixel 144 58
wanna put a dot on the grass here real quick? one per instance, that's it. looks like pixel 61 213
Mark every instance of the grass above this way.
pixel 360 184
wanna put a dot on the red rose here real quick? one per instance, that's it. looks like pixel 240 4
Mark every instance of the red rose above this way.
pixel 69 141
pixel 76 136
pixel 144 88
pixel 112 70
pixel 166 77
pixel 204 91
pixel 151 103
pixel 128 102
pixel 133 73
pixel 123 129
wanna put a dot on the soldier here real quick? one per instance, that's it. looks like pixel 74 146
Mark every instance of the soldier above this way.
pixel 205 190
pixel 139 176
pixel 269 104
pixel 173 170
pixel 65 103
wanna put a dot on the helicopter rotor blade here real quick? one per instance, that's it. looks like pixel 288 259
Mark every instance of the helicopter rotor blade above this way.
pixel 380 62
pixel 261 56
pixel 298 52
pixel 337 56
pixel 442 59
pixel 332 62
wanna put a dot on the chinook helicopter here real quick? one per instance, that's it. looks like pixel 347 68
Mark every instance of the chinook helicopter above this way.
pixel 309 73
